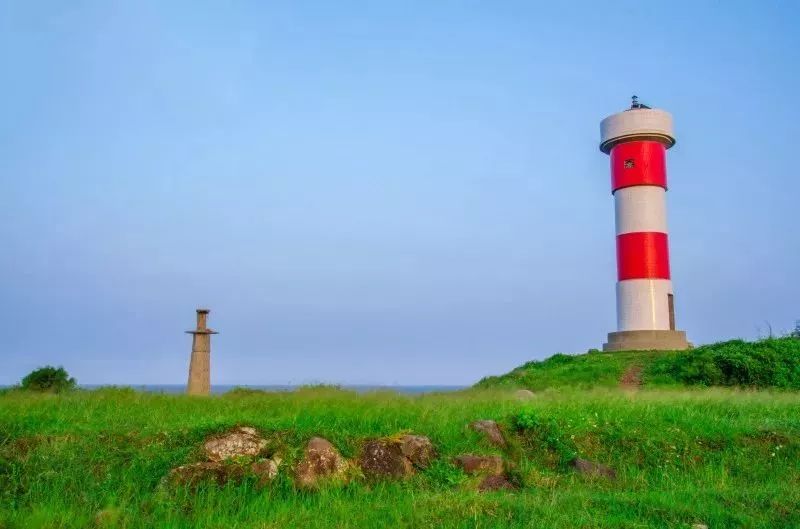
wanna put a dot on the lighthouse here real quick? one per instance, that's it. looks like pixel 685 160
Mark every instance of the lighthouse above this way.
pixel 637 141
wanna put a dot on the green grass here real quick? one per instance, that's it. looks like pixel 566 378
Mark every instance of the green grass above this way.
pixel 724 457
pixel 768 363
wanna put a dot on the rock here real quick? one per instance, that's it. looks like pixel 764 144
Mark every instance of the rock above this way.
pixel 220 473
pixel 491 430
pixel 699 526
pixel 590 468
pixel 384 458
pixel 242 441
pixel 196 473
pixel 321 460
pixel 524 394
pixel 472 464
pixel 418 449
pixel 265 470
pixel 396 457
pixel 231 457
pixel 495 482
pixel 247 430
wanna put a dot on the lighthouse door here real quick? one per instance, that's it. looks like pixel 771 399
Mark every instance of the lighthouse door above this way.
pixel 671 303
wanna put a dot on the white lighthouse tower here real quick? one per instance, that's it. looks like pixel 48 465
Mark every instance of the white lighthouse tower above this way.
pixel 637 140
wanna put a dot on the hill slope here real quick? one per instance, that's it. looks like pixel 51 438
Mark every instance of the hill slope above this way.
pixel 772 362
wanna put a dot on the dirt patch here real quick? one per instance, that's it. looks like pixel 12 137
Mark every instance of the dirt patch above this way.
pixel 631 378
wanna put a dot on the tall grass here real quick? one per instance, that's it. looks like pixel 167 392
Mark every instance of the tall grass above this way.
pixel 727 458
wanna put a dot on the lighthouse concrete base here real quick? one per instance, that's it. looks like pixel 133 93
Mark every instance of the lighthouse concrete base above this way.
pixel 646 341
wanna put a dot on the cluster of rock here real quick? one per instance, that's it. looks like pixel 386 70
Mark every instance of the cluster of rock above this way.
pixel 389 457
pixel 243 453
pixel 230 457
pixel 492 468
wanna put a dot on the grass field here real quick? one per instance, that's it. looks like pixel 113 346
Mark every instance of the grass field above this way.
pixel 722 457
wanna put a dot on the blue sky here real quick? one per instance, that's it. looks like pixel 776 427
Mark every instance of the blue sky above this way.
pixel 405 192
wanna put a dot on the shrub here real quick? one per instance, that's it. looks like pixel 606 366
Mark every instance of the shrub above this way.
pixel 772 362
pixel 50 379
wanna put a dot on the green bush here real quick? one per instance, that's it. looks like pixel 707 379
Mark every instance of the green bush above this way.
pixel 773 362
pixel 50 379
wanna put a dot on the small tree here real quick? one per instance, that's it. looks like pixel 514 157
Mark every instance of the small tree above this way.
pixel 796 332
pixel 48 378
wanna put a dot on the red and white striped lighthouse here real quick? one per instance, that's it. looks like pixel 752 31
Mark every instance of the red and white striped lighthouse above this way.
pixel 637 141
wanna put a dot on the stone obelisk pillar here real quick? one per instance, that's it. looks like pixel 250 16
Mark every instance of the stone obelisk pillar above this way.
pixel 200 364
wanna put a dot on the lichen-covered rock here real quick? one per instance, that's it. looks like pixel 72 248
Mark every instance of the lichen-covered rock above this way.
pixel 231 457
pixel 524 394
pixel 195 473
pixel 242 441
pixel 491 430
pixel 472 464
pixel 384 458
pixel 247 430
pixel 265 470
pixel 590 468
pixel 321 460
pixel 418 449
pixel 496 482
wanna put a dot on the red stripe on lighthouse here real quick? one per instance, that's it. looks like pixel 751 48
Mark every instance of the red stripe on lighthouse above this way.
pixel 638 163
pixel 642 255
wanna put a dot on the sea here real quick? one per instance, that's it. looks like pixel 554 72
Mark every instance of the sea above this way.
pixel 224 388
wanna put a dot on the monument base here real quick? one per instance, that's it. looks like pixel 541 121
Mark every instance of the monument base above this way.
pixel 646 341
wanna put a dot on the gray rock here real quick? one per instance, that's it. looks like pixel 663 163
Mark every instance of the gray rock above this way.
pixel 524 394
pixel 491 430
pixel 242 441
